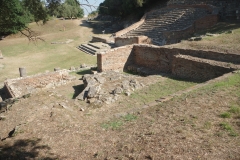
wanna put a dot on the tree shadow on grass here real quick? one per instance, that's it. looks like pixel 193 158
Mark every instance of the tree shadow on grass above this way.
pixel 25 149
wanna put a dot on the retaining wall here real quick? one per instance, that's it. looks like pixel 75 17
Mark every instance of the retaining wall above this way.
pixel 114 59
pixel 185 63
pixel 123 41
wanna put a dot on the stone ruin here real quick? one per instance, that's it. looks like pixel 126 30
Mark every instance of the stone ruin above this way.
pixel 106 87
pixel 19 87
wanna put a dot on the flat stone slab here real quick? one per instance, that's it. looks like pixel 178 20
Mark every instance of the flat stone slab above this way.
pixel 19 87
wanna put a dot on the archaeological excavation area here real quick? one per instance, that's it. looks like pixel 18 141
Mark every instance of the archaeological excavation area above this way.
pixel 150 95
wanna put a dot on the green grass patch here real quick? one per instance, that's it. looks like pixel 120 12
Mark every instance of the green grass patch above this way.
pixel 117 124
pixel 160 89
pixel 235 109
pixel 130 117
pixel 114 125
pixel 226 126
pixel 225 115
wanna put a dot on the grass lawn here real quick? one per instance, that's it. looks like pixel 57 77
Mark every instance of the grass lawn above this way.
pixel 42 56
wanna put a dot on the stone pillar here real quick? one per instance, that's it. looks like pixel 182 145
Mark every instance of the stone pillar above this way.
pixel 23 72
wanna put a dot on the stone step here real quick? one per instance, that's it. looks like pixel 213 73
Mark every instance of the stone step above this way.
pixel 89 47
pixel 86 50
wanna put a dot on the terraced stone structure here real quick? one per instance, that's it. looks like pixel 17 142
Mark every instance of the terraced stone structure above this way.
pixel 227 9
pixel 180 19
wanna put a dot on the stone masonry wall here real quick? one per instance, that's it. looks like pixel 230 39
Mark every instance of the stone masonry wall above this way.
pixel 185 63
pixel 114 59
pixel 19 87
pixel 98 39
pixel 198 69
pixel 153 57
pixel 122 41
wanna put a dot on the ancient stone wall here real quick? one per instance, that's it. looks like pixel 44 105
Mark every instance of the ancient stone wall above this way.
pixel 185 63
pixel 19 87
pixel 153 57
pixel 114 59
pixel 189 67
pixel 99 39
pixel 123 41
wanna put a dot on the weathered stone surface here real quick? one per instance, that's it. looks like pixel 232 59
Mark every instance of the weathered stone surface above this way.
pixel 117 90
pixel 105 88
pixel 32 84
pixel 93 91
pixel 125 85
pixel 100 79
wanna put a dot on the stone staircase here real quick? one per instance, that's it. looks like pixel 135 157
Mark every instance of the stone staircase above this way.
pixel 166 19
pixel 94 48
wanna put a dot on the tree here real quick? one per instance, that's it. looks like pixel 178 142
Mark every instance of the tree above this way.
pixel 70 9
pixel 12 17
pixel 53 6
pixel 36 8
pixel 16 14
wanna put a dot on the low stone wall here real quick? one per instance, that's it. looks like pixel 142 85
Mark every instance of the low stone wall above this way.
pixel 188 67
pixel 99 39
pixel 185 63
pixel 114 59
pixel 19 87
pixel 123 41
pixel 211 55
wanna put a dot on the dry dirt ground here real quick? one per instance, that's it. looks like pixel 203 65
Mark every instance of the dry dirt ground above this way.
pixel 52 125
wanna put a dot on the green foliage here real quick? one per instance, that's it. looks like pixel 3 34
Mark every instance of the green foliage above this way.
pixel 36 8
pixel 12 17
pixel 226 126
pixel 235 109
pixel 124 8
pixel 69 9
pixel 112 125
pixel 130 117
pixel 225 115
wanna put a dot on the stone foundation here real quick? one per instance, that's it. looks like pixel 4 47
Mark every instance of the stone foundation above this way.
pixel 123 41
pixel 16 88
pixel 184 63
